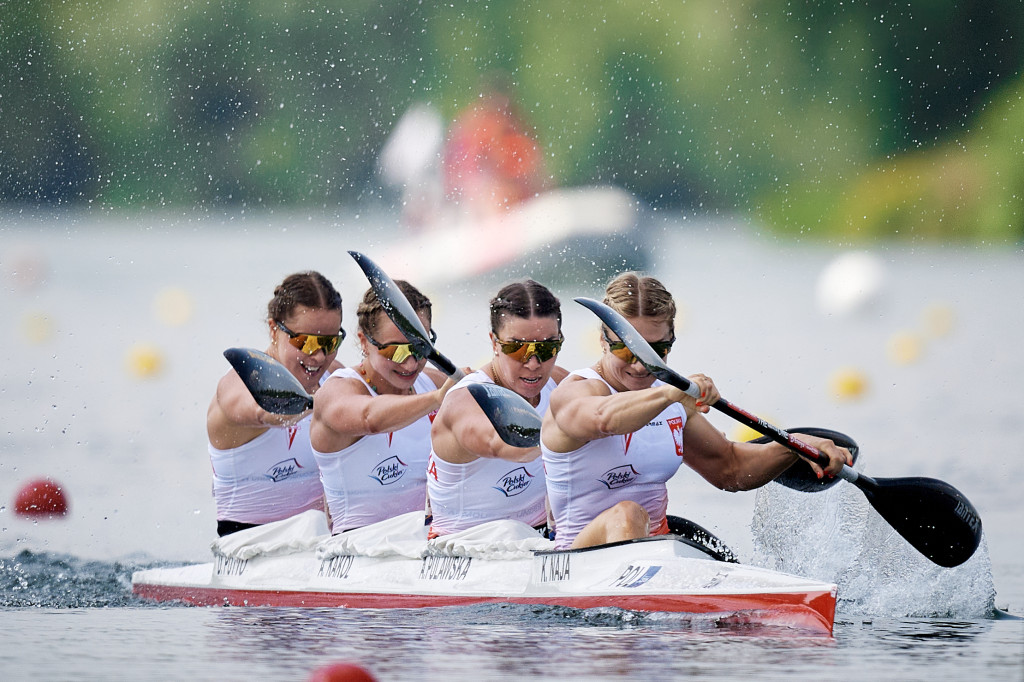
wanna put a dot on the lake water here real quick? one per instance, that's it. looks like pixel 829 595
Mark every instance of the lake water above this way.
pixel 939 352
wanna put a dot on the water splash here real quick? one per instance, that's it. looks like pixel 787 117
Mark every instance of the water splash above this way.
pixel 44 580
pixel 836 536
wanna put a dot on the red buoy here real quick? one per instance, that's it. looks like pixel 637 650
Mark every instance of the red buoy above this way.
pixel 341 672
pixel 41 497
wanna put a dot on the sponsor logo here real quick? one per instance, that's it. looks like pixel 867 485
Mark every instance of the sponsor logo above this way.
pixel 336 567
pixel 445 567
pixel 658 423
pixel 554 568
pixel 389 471
pixel 967 515
pixel 619 476
pixel 229 565
pixel 283 469
pixel 676 424
pixel 635 575
pixel 514 482
pixel 715 581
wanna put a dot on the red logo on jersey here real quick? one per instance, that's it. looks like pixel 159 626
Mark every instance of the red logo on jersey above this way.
pixel 676 424
pixel 431 416
pixel 628 438
pixel 432 469
pixel 292 432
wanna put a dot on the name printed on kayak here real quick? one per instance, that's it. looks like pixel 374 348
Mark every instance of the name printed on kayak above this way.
pixel 445 567
pixel 224 565
pixel 336 567
pixel 554 567
pixel 635 575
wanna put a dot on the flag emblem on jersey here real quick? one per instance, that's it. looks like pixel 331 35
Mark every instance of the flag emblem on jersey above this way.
pixel 676 424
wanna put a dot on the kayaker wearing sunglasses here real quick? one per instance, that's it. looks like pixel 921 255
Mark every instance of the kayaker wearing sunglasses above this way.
pixel 613 435
pixel 371 422
pixel 473 476
pixel 263 467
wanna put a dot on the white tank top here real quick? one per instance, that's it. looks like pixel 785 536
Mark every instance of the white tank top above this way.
pixel 488 488
pixel 270 478
pixel 381 475
pixel 635 466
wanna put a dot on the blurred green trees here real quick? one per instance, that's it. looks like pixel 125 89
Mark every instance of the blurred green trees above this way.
pixel 851 120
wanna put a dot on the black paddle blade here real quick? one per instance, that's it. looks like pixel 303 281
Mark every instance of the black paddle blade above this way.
pixel 270 383
pixel 800 476
pixel 637 345
pixel 933 516
pixel 515 420
pixel 394 303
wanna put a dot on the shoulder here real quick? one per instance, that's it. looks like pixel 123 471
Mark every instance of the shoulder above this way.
pixel 576 386
pixel 435 375
pixel 559 373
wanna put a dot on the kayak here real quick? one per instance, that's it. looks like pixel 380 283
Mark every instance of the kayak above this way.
pixel 297 563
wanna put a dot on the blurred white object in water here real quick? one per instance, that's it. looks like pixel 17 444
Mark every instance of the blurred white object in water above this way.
pixel 849 283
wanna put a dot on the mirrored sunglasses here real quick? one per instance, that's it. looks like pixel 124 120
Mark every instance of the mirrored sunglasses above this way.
pixel 619 349
pixel 524 350
pixel 311 343
pixel 399 352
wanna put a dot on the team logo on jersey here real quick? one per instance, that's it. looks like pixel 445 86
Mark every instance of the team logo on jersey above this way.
pixel 676 424
pixel 389 471
pixel 619 476
pixel 293 431
pixel 514 482
pixel 283 469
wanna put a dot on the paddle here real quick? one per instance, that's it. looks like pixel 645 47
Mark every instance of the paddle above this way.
pixel 515 420
pixel 933 516
pixel 400 311
pixel 275 389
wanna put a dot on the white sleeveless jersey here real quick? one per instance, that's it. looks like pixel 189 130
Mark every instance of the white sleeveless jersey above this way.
pixel 270 478
pixel 488 488
pixel 381 475
pixel 635 466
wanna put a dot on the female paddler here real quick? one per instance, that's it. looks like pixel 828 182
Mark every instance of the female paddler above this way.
pixel 473 476
pixel 263 467
pixel 371 423
pixel 613 435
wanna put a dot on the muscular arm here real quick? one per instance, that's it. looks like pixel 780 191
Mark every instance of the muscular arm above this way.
pixel 234 418
pixel 462 433
pixel 745 466
pixel 583 410
pixel 345 411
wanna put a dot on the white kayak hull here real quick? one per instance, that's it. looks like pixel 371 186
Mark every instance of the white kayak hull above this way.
pixel 654 574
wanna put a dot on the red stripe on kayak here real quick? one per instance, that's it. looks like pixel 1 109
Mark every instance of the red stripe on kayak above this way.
pixel 807 610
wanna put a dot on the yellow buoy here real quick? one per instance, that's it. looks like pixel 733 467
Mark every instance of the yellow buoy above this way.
pixel 144 361
pixel 848 383
pixel 172 306
pixel 743 433
pixel 938 319
pixel 904 348
pixel 37 328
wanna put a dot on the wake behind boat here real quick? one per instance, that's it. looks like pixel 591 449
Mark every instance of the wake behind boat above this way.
pixel 297 563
